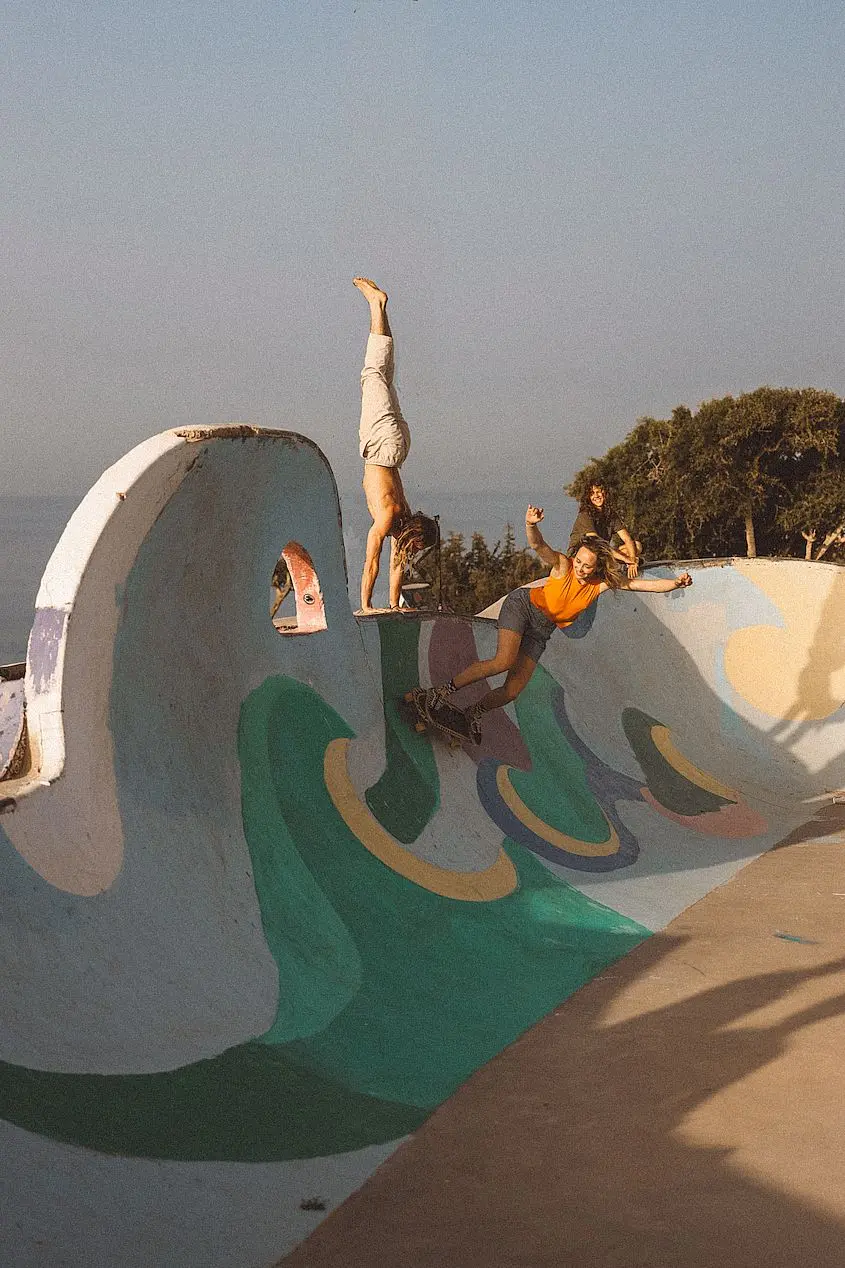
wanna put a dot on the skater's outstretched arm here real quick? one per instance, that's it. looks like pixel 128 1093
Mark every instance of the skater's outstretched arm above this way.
pixel 657 585
pixel 553 558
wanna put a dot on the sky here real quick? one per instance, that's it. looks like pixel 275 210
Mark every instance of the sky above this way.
pixel 583 213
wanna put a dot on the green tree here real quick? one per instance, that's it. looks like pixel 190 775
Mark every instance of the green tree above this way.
pixel 759 472
pixel 474 578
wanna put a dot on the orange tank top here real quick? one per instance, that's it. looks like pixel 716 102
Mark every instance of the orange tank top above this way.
pixel 562 599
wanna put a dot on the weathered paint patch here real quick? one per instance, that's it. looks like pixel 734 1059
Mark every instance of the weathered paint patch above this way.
pixel 310 605
pixel 45 643
pixel 733 822
pixel 12 720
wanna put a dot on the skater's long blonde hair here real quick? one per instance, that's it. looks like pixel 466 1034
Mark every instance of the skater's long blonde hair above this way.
pixel 608 569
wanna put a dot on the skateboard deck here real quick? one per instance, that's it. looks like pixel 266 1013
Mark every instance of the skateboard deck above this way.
pixel 451 722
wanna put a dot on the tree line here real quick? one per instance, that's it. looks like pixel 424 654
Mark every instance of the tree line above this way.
pixel 758 474
pixel 761 473
pixel 474 577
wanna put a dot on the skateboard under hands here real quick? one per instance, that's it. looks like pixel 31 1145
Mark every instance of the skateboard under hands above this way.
pixel 451 722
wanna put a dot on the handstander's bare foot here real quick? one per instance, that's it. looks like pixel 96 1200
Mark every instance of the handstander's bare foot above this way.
pixel 377 299
pixel 372 293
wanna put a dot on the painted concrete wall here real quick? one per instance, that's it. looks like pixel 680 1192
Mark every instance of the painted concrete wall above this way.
pixel 254 929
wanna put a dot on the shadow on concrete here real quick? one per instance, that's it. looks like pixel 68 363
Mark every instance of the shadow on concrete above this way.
pixel 573 1147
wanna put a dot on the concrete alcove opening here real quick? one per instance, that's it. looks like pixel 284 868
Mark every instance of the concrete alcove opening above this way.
pixel 296 599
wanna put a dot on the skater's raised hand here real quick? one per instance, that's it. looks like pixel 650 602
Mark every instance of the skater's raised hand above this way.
pixel 534 514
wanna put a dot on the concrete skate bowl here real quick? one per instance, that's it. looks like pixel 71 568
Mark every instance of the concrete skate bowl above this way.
pixel 255 929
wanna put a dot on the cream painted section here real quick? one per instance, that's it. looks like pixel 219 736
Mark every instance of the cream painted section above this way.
pixel 665 656
pixel 798 672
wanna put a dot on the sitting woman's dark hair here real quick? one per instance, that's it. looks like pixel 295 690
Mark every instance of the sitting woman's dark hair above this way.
pixel 586 505
pixel 417 533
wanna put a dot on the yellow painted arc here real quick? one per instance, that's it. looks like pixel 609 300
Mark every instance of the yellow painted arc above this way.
pixel 586 849
pixel 496 881
pixel 662 737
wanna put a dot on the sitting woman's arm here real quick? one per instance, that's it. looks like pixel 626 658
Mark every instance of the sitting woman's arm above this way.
pixel 627 552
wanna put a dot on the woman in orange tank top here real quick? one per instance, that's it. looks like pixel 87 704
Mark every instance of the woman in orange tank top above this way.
pixel 529 616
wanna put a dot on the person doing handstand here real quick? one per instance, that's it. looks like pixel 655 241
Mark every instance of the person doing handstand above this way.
pixel 384 443
pixel 528 617
pixel 597 517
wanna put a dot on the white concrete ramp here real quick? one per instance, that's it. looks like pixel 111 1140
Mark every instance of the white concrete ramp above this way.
pixel 254 930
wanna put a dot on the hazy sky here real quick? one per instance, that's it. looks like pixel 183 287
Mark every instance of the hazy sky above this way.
pixel 583 212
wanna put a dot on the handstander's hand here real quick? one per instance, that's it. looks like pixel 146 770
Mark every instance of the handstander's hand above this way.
pixel 683 580
pixel 633 571
pixel 534 514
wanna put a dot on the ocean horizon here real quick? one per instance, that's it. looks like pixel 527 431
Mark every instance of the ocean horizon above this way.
pixel 31 525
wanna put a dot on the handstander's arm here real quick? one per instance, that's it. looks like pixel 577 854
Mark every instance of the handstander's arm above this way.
pixel 375 540
pixel 395 578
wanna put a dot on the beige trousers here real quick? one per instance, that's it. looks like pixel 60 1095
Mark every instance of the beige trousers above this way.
pixel 383 434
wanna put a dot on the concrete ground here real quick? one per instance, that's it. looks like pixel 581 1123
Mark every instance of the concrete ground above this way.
pixel 684 1108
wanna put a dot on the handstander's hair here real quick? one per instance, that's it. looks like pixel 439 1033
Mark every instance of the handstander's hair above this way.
pixel 608 568
pixel 417 533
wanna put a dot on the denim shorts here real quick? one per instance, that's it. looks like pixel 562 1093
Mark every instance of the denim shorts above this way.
pixel 518 613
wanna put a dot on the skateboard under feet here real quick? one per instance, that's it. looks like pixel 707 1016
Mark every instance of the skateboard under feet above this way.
pixel 451 722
